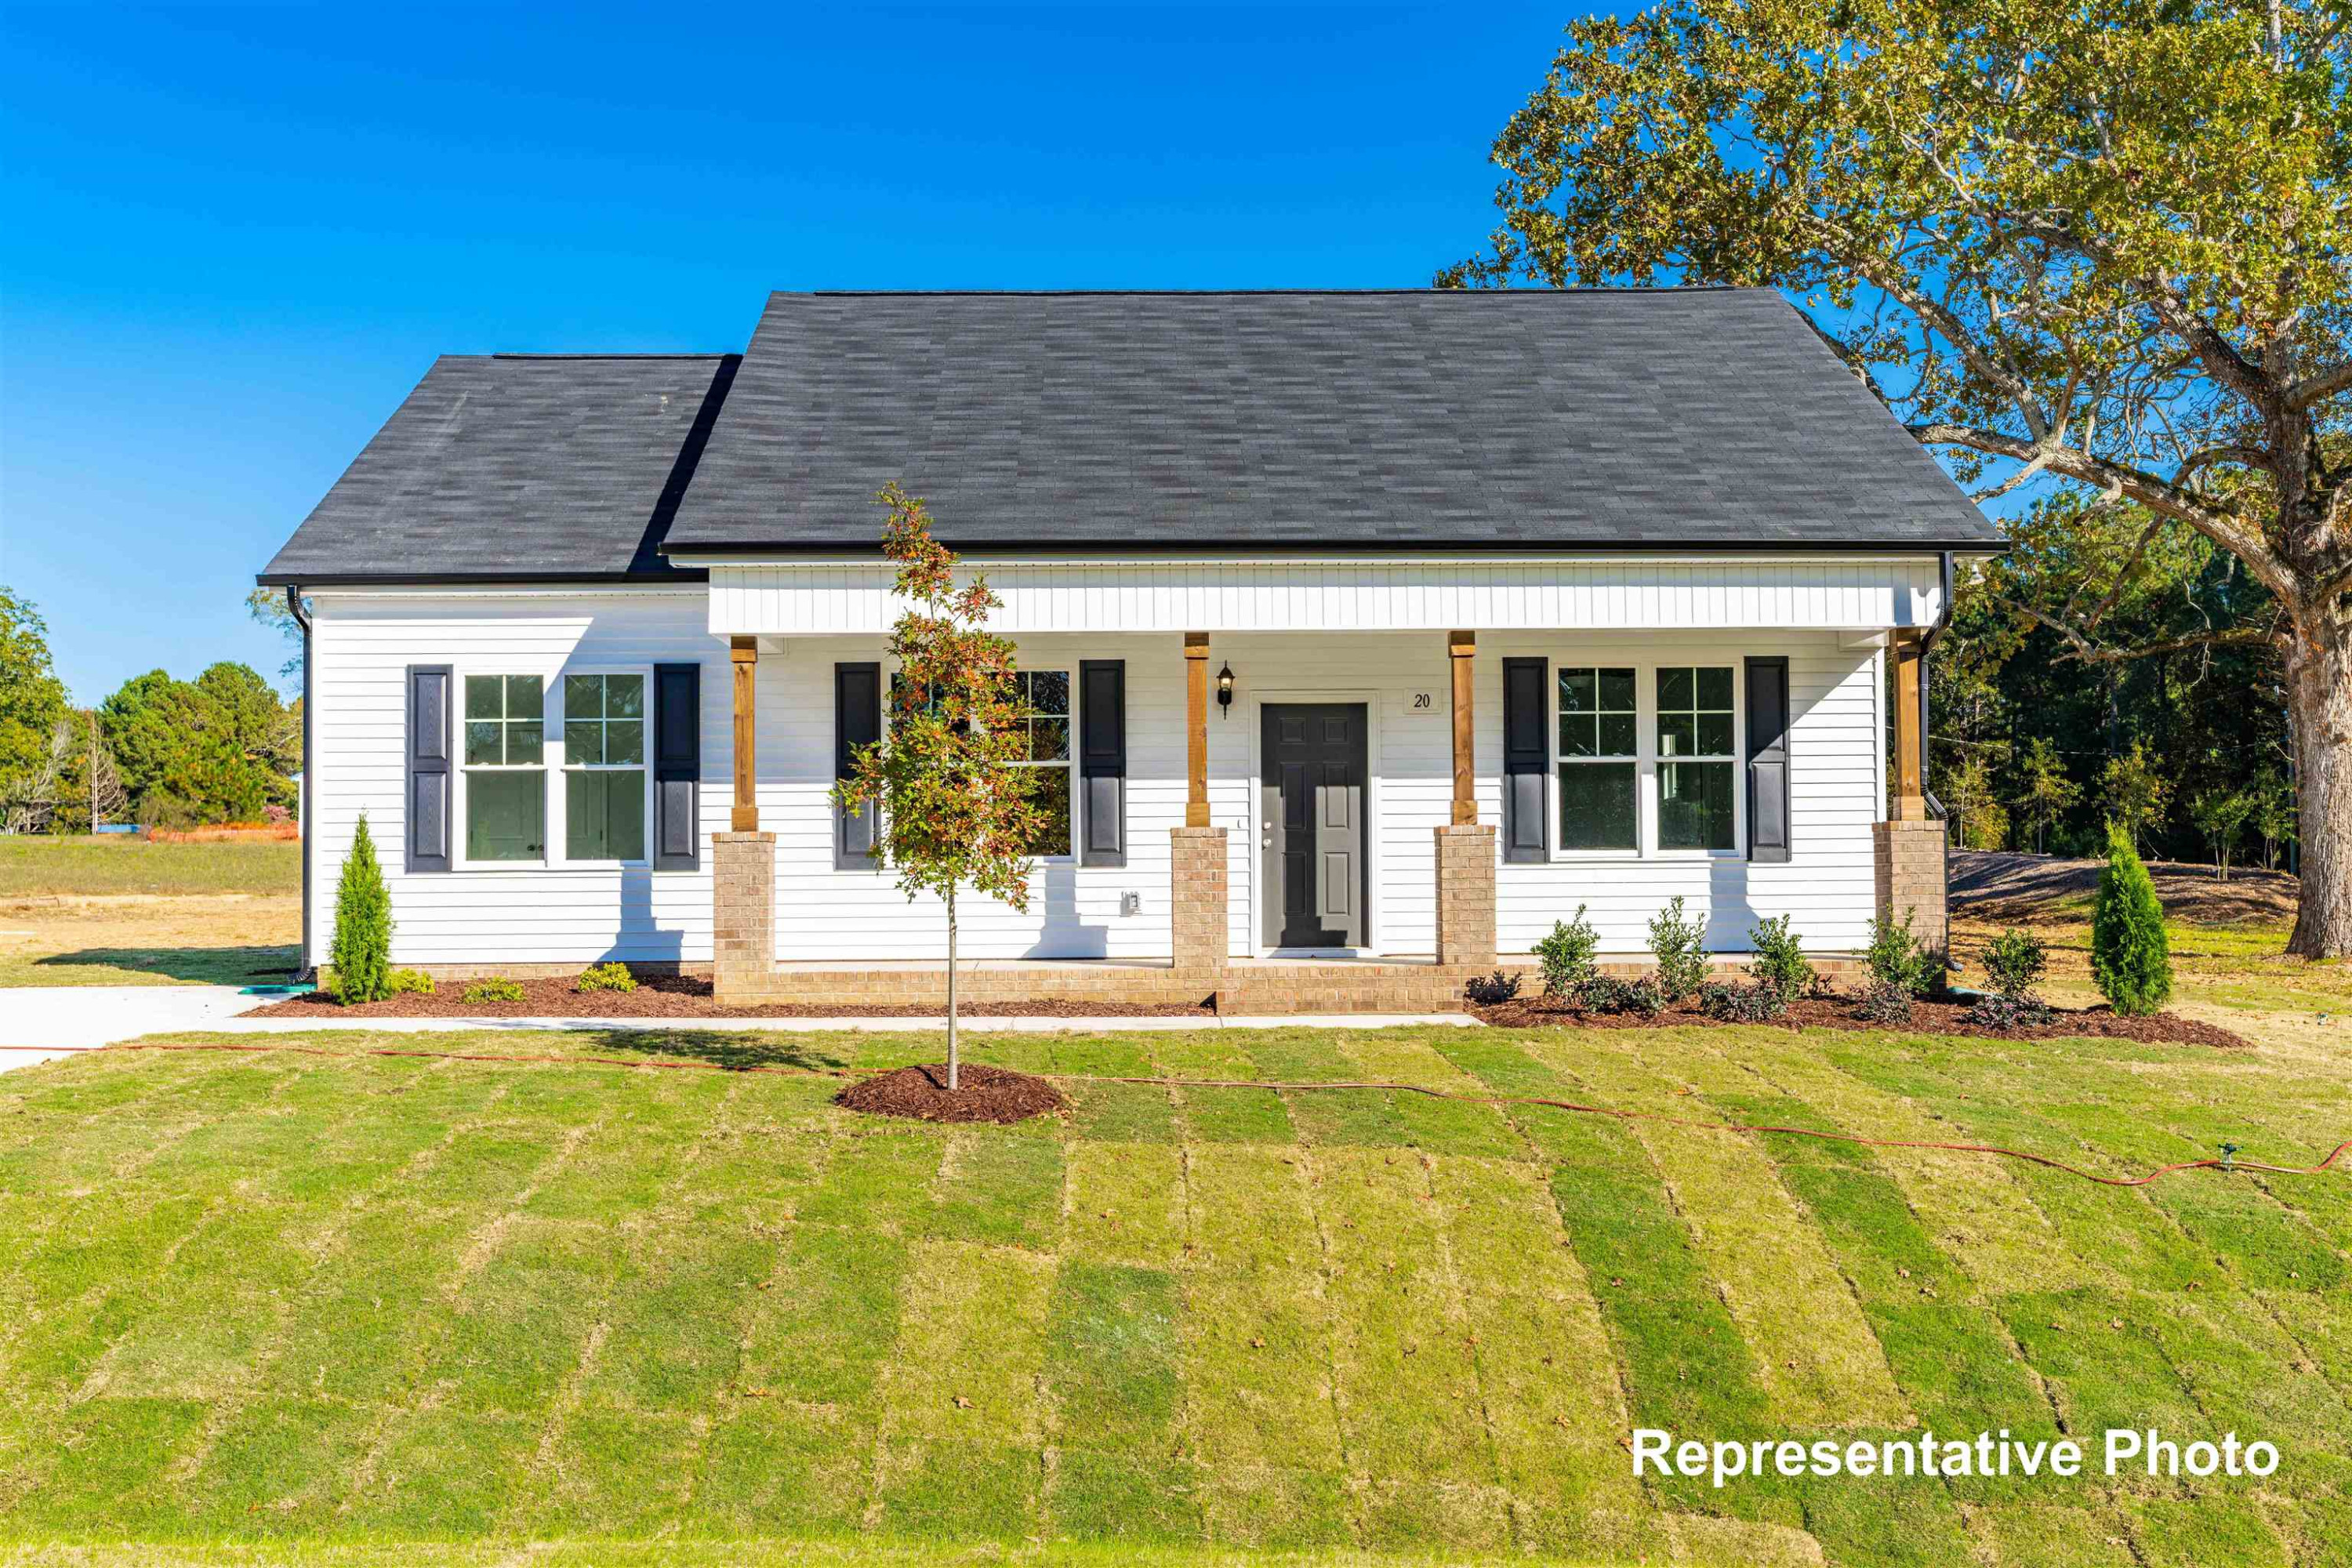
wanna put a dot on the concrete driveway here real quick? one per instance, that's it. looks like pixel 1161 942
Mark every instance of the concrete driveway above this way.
pixel 40 1023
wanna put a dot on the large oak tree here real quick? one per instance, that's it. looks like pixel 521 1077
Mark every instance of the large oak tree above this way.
pixel 2069 242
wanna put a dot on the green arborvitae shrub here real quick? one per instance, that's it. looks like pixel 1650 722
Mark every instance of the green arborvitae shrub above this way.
pixel 1779 966
pixel 1567 955
pixel 1680 947
pixel 496 988
pixel 402 981
pixel 613 977
pixel 2129 956
pixel 361 952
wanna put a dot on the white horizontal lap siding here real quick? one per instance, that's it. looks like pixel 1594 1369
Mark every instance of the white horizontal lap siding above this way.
pixel 1828 886
pixel 361 648
pixel 1824 594
pixel 826 913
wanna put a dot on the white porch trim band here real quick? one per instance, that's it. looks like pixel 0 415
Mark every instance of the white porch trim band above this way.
pixel 1821 593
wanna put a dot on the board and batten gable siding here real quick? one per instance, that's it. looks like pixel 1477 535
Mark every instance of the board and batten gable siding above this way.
pixel 360 647
pixel 1825 594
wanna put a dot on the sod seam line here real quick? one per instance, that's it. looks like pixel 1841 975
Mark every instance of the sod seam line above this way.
pixel 2141 1181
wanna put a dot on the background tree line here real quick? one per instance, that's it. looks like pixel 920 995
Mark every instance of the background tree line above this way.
pixel 2191 749
pixel 160 751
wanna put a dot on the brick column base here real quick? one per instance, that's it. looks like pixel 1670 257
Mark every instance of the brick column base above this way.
pixel 1908 858
pixel 1465 894
pixel 1196 904
pixel 742 914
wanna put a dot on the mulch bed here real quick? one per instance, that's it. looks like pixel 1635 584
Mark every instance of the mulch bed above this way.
pixel 982 1094
pixel 683 997
pixel 1928 1017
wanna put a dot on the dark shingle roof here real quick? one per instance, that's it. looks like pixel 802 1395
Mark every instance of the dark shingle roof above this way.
pixel 1705 418
pixel 518 466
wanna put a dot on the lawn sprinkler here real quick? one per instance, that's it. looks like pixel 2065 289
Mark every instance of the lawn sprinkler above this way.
pixel 2228 1152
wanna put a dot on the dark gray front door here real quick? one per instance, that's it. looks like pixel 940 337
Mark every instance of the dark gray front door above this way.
pixel 1311 824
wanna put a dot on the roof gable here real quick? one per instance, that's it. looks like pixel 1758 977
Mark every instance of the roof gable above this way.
pixel 1312 421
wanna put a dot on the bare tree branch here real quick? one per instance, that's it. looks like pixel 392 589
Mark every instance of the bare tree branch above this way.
pixel 2083 650
pixel 2320 384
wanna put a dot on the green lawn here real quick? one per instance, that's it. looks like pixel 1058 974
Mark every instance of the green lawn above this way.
pixel 122 863
pixel 370 1301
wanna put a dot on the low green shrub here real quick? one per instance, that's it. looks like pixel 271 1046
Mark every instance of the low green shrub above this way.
pixel 401 981
pixel 1779 964
pixel 1734 1004
pixel 1898 959
pixel 1606 993
pixel 2013 961
pixel 1568 956
pixel 496 988
pixel 606 977
pixel 2130 958
pixel 1679 945
pixel 1492 990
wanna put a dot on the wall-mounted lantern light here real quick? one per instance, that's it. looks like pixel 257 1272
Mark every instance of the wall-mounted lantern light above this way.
pixel 1226 691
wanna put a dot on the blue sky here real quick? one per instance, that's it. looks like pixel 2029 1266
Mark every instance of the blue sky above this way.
pixel 235 238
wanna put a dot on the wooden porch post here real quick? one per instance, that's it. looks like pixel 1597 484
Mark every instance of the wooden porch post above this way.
pixel 1909 795
pixel 1196 729
pixel 1464 648
pixel 745 653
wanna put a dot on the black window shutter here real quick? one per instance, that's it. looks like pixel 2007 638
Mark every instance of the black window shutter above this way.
pixel 428 767
pixel 857 724
pixel 678 767
pixel 1768 760
pixel 1102 760
pixel 1526 760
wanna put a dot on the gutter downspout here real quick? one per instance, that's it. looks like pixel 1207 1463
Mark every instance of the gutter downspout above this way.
pixel 304 968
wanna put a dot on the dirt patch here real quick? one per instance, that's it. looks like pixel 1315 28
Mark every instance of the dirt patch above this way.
pixel 1997 886
pixel 1928 1017
pixel 982 1094
pixel 685 996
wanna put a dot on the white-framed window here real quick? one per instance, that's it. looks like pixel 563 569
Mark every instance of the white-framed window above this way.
pixel 1600 759
pixel 1698 758
pixel 1645 760
pixel 505 769
pixel 1045 694
pixel 606 798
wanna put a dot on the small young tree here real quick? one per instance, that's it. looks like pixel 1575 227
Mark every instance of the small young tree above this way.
pixel 2045 793
pixel 2130 958
pixel 2136 792
pixel 2273 816
pixel 955 804
pixel 361 951
pixel 2219 815
pixel 1981 821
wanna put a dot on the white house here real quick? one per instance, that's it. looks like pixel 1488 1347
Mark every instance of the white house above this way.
pixel 1388 626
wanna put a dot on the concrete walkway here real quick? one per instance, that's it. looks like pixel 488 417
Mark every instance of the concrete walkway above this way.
pixel 40 1023
pixel 869 1025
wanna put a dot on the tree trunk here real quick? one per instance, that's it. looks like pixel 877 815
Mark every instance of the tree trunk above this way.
pixel 952 992
pixel 2319 695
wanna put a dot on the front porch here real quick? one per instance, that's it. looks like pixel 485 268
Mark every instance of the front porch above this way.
pixel 1187 895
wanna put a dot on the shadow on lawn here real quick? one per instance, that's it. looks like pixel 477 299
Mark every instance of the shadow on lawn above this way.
pixel 735 1050
pixel 205 965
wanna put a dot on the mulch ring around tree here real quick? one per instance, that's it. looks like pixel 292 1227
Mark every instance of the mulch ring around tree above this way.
pixel 1928 1017
pixel 681 996
pixel 982 1094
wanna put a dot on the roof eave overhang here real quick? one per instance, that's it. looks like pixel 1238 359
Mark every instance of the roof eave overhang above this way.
pixel 706 557
pixel 333 579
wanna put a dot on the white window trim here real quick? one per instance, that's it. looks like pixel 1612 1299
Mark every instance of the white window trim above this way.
pixel 892 671
pixel 1738 794
pixel 1646 806
pixel 1068 761
pixel 558 800
pixel 1556 800
pixel 462 785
